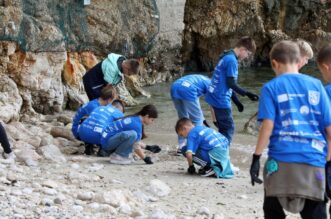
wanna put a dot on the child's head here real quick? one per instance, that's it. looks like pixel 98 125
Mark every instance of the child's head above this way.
pixel 118 104
pixel 183 127
pixel 148 114
pixel 108 93
pixel 284 57
pixel 306 52
pixel 245 47
pixel 324 62
pixel 130 66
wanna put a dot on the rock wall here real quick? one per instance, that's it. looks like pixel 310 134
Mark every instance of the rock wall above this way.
pixel 46 47
pixel 215 25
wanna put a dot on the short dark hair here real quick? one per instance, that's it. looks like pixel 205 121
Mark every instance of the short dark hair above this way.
pixel 324 55
pixel 133 65
pixel 285 51
pixel 149 110
pixel 108 92
pixel 181 122
pixel 247 42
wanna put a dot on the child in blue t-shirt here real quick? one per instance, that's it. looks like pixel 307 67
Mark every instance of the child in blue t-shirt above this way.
pixel 206 148
pixel 224 82
pixel 108 93
pixel 91 129
pixel 324 64
pixel 185 93
pixel 296 118
pixel 120 136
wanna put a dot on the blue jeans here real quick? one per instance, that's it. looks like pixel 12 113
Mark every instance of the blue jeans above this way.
pixel 200 157
pixel 188 109
pixel 225 122
pixel 121 143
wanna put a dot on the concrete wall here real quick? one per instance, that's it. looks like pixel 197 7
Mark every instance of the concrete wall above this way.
pixel 171 21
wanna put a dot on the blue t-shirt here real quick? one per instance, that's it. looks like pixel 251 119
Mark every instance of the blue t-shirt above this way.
pixel 328 90
pixel 91 129
pixel 82 112
pixel 300 109
pixel 190 87
pixel 130 123
pixel 202 139
pixel 219 94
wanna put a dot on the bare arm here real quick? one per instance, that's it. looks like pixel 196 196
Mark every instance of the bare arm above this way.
pixel 264 135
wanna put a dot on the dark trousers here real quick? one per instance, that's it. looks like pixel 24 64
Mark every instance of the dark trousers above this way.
pixel 4 140
pixel 225 122
pixel 93 82
pixel 311 210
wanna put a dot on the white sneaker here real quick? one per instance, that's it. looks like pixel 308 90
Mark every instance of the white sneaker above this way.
pixel 117 159
pixel 10 156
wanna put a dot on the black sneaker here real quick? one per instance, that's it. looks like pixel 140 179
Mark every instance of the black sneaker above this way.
pixel 206 172
pixel 89 149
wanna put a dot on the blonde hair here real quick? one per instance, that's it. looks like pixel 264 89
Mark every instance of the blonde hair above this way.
pixel 305 48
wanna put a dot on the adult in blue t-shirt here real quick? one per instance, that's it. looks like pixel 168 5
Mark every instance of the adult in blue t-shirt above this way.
pixel 91 129
pixel 119 137
pixel 206 148
pixel 328 90
pixel 185 93
pixel 224 82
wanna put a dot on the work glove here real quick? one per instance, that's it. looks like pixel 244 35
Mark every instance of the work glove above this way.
pixel 153 148
pixel 191 169
pixel 328 178
pixel 148 160
pixel 252 96
pixel 237 102
pixel 255 169
pixel 206 123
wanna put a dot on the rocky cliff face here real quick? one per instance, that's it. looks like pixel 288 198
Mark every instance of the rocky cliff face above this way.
pixel 215 25
pixel 47 46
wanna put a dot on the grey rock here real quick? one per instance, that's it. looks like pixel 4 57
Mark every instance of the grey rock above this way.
pixel 52 152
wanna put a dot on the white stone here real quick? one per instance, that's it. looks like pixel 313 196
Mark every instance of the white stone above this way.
pixel 218 216
pixel 159 188
pixel 159 214
pixel 16 192
pixel 125 208
pixel 141 196
pixel 50 191
pixel 46 202
pixel 243 197
pixel 50 184
pixel 77 208
pixel 96 167
pixel 11 176
pixel 75 166
pixel 85 196
pixel 94 205
pixel 27 190
pixel 53 153
pixel 204 211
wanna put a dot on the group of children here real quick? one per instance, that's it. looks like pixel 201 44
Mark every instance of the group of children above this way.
pixel 294 111
pixel 101 123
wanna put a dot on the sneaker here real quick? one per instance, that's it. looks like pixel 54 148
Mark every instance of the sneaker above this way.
pixel 89 149
pixel 117 159
pixel 206 172
pixel 10 156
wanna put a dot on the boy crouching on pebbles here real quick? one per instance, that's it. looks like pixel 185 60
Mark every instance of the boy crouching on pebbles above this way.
pixel 206 148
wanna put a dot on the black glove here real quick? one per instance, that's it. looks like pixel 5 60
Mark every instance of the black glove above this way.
pixel 216 124
pixel 252 96
pixel 191 169
pixel 237 102
pixel 255 169
pixel 153 148
pixel 328 178
pixel 148 160
pixel 206 123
